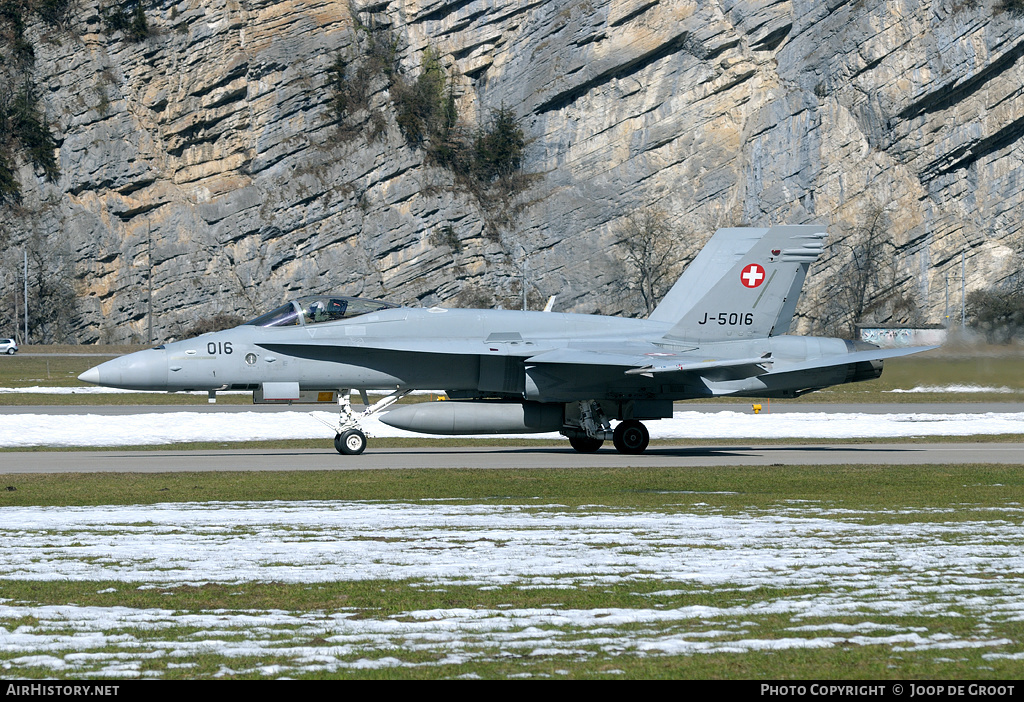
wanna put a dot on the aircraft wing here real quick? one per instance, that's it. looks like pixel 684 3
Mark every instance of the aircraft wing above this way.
pixel 847 359
pixel 650 364
pixel 640 363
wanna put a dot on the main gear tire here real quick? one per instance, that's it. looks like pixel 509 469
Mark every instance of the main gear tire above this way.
pixel 631 437
pixel 585 444
pixel 350 443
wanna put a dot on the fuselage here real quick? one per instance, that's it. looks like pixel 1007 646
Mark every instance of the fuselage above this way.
pixel 470 353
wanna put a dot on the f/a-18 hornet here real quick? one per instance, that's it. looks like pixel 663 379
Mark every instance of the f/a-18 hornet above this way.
pixel 719 332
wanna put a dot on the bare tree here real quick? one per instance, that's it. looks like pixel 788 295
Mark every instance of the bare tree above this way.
pixel 997 311
pixel 53 303
pixel 867 285
pixel 653 254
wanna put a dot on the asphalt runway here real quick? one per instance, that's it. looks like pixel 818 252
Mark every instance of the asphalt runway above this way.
pixel 725 454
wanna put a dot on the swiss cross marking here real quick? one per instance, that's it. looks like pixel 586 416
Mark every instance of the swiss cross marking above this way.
pixel 752 276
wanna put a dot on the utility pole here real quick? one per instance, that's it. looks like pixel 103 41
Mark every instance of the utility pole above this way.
pixel 526 256
pixel 963 290
pixel 945 313
pixel 149 296
pixel 25 296
pixel 525 259
pixel 15 294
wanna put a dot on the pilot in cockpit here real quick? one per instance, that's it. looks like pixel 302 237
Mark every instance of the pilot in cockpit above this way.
pixel 315 313
pixel 317 309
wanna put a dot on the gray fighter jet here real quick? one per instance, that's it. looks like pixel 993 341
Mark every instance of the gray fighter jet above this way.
pixel 719 332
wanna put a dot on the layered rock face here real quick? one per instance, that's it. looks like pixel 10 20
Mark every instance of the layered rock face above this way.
pixel 205 163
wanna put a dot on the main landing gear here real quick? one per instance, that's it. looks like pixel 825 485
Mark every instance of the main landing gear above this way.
pixel 631 436
pixel 588 433
pixel 349 438
pixel 585 444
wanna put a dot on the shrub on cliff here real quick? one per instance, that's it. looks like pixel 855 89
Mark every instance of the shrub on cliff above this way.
pixel 353 79
pixel 498 148
pixel 31 128
pixel 24 130
pixel 1015 7
pixel 127 18
pixel 425 109
pixel 56 13
pixel 10 189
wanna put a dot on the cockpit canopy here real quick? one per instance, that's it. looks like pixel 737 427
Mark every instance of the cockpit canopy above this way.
pixel 315 309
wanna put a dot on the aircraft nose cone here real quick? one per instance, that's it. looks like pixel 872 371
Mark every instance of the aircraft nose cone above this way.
pixel 91 376
pixel 143 370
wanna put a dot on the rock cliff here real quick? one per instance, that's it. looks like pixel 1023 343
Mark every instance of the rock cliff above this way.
pixel 205 161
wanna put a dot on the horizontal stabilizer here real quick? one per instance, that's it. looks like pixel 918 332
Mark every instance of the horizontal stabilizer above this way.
pixel 847 359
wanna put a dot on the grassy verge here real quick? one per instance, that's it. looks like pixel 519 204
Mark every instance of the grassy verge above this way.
pixel 852 487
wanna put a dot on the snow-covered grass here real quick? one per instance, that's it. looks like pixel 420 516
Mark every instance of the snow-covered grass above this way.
pixel 308 541
pixel 495 590
pixel 967 389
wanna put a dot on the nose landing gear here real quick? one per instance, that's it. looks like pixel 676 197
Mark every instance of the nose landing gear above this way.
pixel 349 438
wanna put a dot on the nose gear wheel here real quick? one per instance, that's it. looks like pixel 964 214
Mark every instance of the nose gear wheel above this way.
pixel 350 443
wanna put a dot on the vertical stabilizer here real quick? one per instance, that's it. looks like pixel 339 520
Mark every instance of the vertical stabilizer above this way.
pixel 723 251
pixel 747 285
